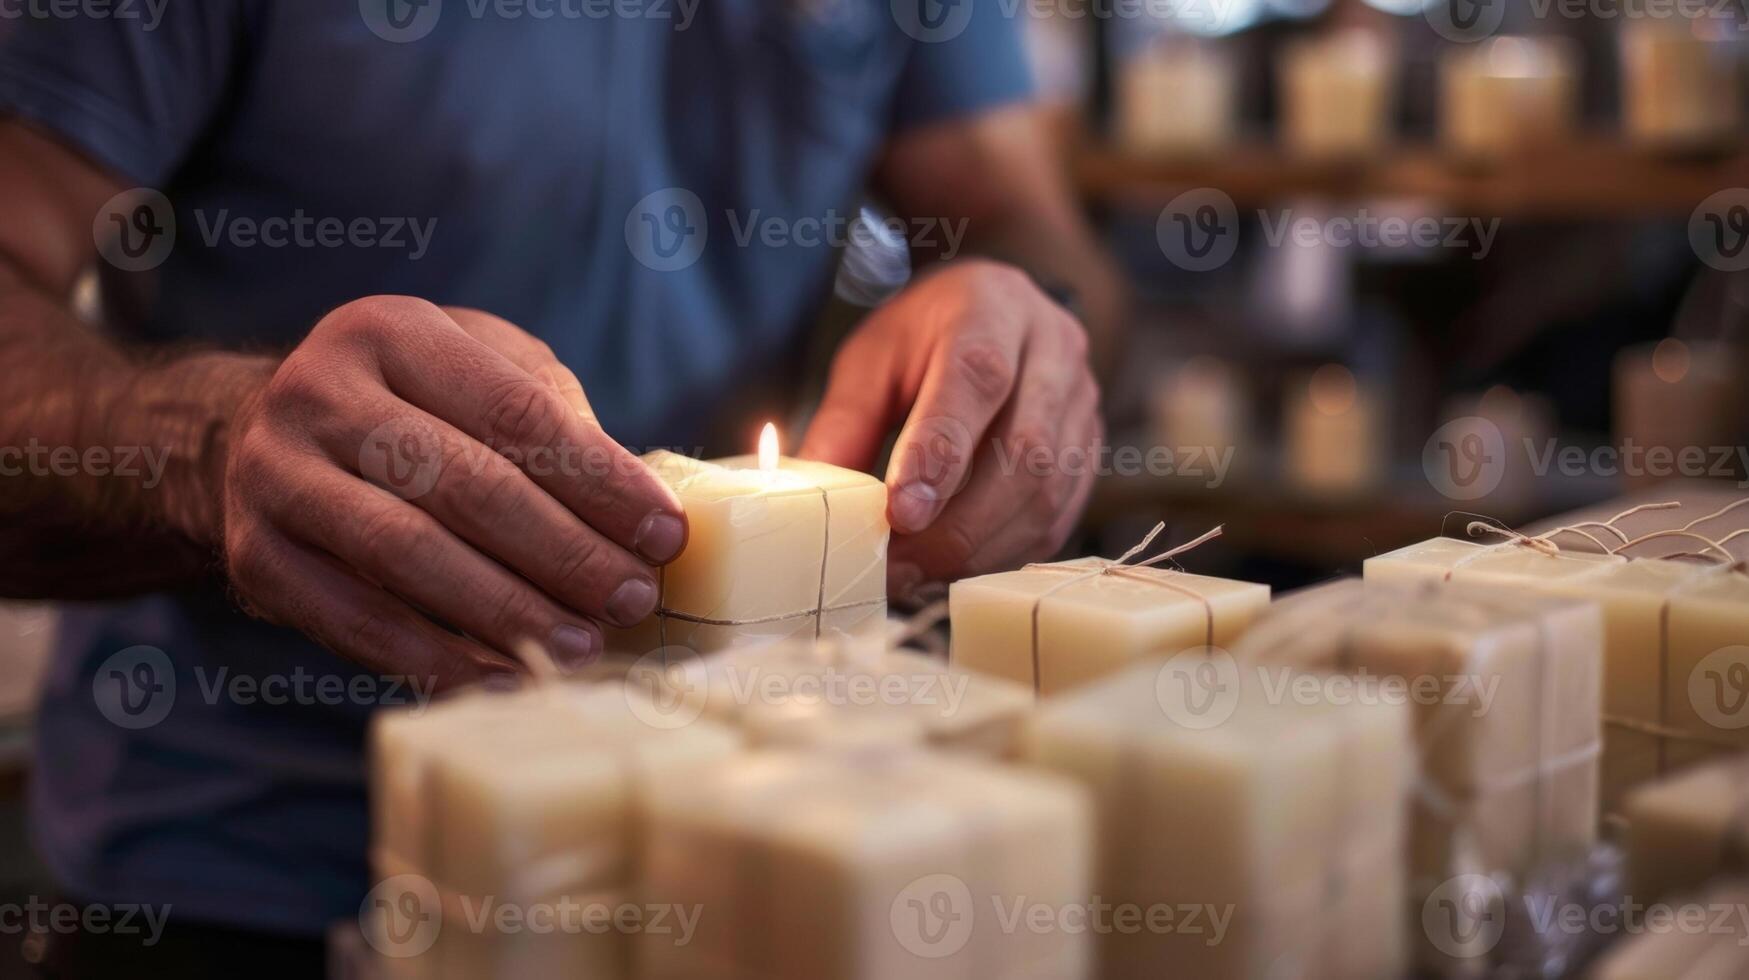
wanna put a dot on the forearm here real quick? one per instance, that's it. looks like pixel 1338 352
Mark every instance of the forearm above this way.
pixel 109 463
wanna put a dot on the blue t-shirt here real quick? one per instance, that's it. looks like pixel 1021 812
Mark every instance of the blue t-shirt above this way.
pixel 606 180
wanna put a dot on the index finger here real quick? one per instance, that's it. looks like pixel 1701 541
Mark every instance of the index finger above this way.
pixel 970 376
pixel 510 411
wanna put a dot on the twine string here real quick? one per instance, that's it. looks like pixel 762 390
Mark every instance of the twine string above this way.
pixel 1123 568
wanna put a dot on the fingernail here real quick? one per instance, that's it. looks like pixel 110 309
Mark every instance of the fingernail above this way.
pixel 573 646
pixel 631 602
pixel 903 577
pixel 660 537
pixel 913 506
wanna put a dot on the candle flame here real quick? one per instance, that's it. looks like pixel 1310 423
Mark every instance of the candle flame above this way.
pixel 768 448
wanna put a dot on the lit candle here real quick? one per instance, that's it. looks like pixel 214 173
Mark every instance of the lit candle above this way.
pixel 776 547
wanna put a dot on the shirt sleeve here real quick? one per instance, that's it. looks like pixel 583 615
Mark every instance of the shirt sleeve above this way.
pixel 133 84
pixel 966 56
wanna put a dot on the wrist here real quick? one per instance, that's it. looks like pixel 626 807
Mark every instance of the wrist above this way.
pixel 185 412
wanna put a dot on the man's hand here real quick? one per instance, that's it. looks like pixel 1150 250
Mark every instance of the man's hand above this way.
pixel 1000 417
pixel 409 464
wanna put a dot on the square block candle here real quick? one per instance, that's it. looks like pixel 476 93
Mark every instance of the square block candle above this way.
pixel 1687 828
pixel 869 865
pixel 776 547
pixel 840 692
pixel 1052 627
pixel 1284 816
pixel 531 799
pixel 1676 666
pixel 1704 939
pixel 1505 689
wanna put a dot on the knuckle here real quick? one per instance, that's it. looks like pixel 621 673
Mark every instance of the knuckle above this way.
pixel 370 632
pixel 515 613
pixel 958 544
pixel 1075 339
pixel 1030 442
pixel 303 382
pixel 372 318
pixel 244 559
pixel 575 562
pixel 984 368
pixel 525 412
pixel 388 531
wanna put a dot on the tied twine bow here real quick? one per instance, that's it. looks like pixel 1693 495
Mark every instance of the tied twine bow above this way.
pixel 1122 568
pixel 1661 730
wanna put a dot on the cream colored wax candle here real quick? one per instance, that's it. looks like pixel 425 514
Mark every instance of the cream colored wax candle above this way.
pixel 800 693
pixel 1179 96
pixel 1334 434
pixel 1279 814
pixel 1680 88
pixel 1703 938
pixel 870 865
pixel 1672 631
pixel 1505 688
pixel 776 547
pixel 1508 94
pixel 1336 94
pixel 529 801
pixel 1052 627
pixel 1687 828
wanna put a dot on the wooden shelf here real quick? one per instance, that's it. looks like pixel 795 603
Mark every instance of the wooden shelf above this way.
pixel 1589 179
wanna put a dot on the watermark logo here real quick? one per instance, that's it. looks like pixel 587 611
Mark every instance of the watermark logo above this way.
pixel 1198 688
pixel 135 688
pixel 401 916
pixel 1718 688
pixel 1718 230
pixel 932 917
pixel 403 456
pixel 1465 916
pixel 135 230
pixel 667 687
pixel 932 21
pixel 400 21
pixel 1199 230
pixel 666 230
pixel 1466 21
pixel 1465 458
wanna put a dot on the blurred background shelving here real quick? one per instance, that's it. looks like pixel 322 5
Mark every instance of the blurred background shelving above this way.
pixel 1578 159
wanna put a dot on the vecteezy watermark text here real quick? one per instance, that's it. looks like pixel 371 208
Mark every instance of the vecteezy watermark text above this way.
pixel 34 915
pixel 143 463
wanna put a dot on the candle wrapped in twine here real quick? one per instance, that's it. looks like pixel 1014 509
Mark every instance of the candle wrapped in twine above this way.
pixel 1122 567
pixel 1711 550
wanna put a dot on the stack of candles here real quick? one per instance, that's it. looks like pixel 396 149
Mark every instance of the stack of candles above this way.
pixel 1285 816
pixel 1506 691
pixel 1667 623
pixel 868 865
pixel 487 803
